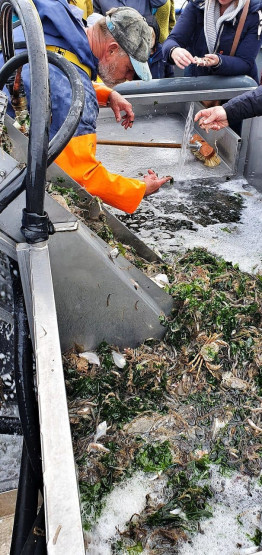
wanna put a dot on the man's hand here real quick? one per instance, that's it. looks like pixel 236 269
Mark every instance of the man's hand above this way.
pixel 153 182
pixel 119 104
pixel 213 118
pixel 182 57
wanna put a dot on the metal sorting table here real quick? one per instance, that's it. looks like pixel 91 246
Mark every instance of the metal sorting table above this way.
pixel 160 118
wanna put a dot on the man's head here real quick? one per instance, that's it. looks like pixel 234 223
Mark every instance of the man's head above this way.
pixel 125 45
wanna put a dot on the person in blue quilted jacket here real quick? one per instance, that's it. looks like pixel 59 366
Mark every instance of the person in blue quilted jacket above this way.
pixel 201 41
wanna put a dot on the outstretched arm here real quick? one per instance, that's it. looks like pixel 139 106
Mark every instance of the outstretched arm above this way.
pixel 247 105
pixel 180 38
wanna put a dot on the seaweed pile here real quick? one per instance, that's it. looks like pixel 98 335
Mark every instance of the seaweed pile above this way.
pixel 173 409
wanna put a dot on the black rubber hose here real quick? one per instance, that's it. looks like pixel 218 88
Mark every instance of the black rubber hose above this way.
pixel 40 106
pixel 24 378
pixel 66 131
pixel 6 30
pixel 26 505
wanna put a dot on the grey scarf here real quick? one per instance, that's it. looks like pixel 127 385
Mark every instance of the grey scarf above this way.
pixel 213 21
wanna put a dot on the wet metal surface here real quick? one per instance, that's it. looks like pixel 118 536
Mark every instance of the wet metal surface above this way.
pixel 134 162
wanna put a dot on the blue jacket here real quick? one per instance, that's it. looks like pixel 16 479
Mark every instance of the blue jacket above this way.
pixel 247 105
pixel 63 29
pixel 156 63
pixel 189 33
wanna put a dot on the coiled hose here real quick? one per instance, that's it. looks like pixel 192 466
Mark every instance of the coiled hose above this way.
pixel 66 131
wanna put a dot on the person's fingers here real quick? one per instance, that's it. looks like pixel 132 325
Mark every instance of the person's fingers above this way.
pixel 126 123
pixel 182 57
pixel 213 59
pixel 180 65
pixel 186 58
pixel 183 62
pixel 201 114
pixel 129 111
pixel 127 120
pixel 215 126
pixel 206 116
pixel 205 128
pixel 189 59
pixel 151 172
pixel 212 117
pixel 158 183
pixel 117 113
pixel 163 180
pixel 202 120
pixel 153 183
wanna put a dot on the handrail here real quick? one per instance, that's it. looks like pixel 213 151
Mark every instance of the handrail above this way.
pixel 230 86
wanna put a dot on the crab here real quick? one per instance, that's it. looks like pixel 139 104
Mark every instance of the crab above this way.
pixel 207 353
pixel 202 61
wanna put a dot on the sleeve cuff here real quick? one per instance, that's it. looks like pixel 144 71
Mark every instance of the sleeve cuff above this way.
pixel 170 53
pixel 218 64
pixel 102 93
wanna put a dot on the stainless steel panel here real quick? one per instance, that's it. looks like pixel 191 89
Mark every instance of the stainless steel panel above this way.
pixel 63 519
pixel 99 298
pixel 253 169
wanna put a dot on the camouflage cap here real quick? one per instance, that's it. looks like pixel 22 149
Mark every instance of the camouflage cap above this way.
pixel 132 33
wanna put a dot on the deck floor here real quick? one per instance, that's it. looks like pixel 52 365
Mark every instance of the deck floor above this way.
pixel 7 509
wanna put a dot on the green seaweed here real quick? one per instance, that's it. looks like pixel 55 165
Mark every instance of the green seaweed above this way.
pixel 257 538
pixel 92 498
pixel 68 193
pixel 115 402
pixel 187 496
pixel 152 458
pixel 210 297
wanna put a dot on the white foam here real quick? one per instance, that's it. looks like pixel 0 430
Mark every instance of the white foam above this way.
pixel 124 501
pixel 236 508
pixel 237 499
